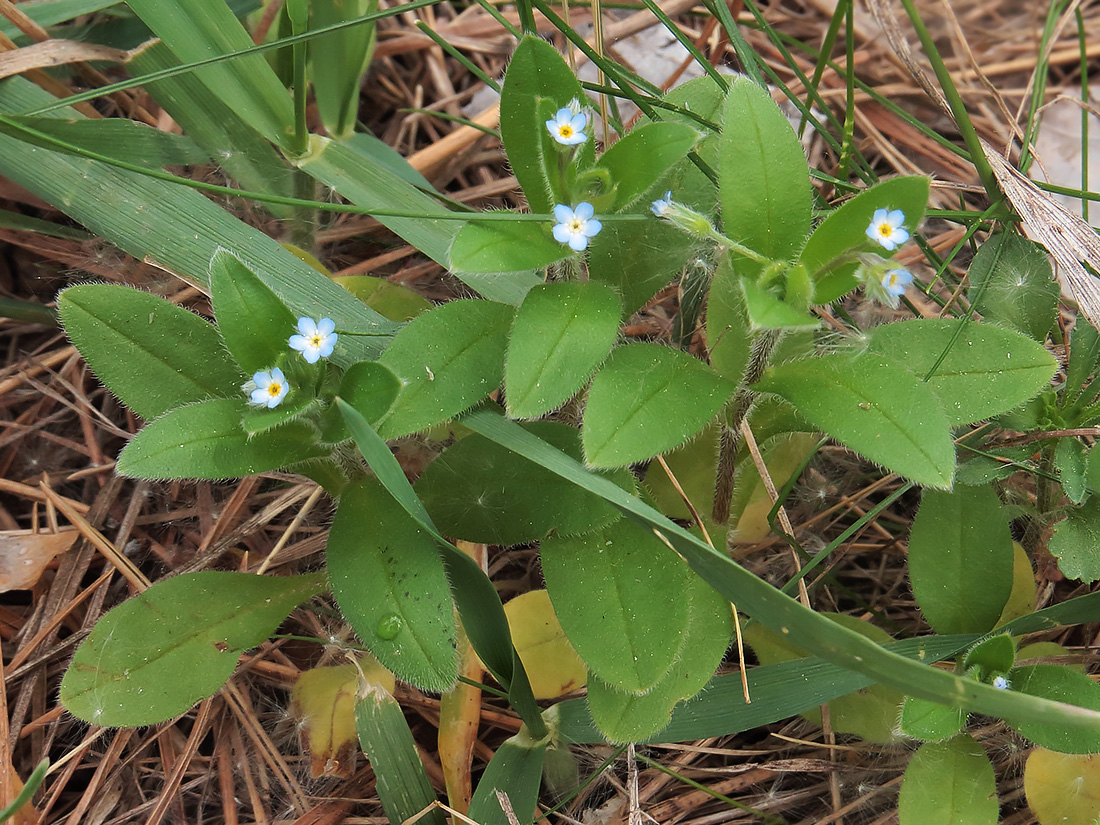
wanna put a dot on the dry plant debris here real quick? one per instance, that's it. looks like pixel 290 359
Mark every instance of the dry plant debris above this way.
pixel 94 538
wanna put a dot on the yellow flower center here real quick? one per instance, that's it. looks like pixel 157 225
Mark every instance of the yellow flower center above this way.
pixel 275 389
pixel 576 225
pixel 885 230
pixel 315 341
pixel 566 131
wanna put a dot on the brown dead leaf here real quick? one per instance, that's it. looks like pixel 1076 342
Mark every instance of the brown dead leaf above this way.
pixel 56 53
pixel 1066 236
pixel 24 555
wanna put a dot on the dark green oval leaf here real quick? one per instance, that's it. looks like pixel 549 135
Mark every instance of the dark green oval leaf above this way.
pixel 562 333
pixel 638 160
pixel 647 399
pixel 960 559
pixel 1011 283
pixel 1076 542
pixel 1061 684
pixel 977 370
pixel 505 246
pixel 447 359
pixel 949 783
pixel 255 325
pixel 875 407
pixel 389 582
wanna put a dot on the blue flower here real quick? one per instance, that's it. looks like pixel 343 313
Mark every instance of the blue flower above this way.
pixel 575 226
pixel 316 340
pixel 267 389
pixel 1001 683
pixel 886 228
pixel 661 207
pixel 567 128
pixel 896 280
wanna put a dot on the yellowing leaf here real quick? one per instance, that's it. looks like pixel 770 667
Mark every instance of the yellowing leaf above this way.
pixel 323 700
pixel 552 665
pixel 1021 600
pixel 1063 787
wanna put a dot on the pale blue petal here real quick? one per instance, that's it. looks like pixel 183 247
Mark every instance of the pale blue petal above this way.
pixel 562 233
pixel 562 213
pixel 307 326
pixel 592 227
pixel 260 395
pixel 277 375
pixel 298 342
pixel 584 210
pixel 311 354
pixel 326 326
pixel 261 379
pixel 896 218
pixel 578 242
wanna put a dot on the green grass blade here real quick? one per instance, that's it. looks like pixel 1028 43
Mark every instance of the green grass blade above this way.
pixel 783 614
pixel 196 29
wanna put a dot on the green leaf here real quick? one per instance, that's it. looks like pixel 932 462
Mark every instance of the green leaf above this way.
pixel 638 258
pixel 873 406
pixel 447 359
pixel 505 246
pixel 1076 542
pixel 370 388
pixel 389 582
pixel 208 440
pixel 765 311
pixel 991 656
pixel 949 783
pixel 154 656
pixel 515 770
pixel 648 399
pixel 729 337
pixel 930 721
pixel 199 29
pixel 1011 283
pixel 977 370
pixel 960 559
pixel 1084 357
pixel 846 228
pixel 1071 459
pixel 628 717
pixel 643 155
pixel 151 354
pixel 621 597
pixel 536 73
pixel 1062 684
pixel 338 60
pixel 562 333
pixel 253 322
pixel 764 179
pixel 478 491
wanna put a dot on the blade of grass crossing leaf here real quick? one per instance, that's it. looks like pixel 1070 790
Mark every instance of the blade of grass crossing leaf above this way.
pixel 516 771
pixel 478 604
pixel 179 229
pixel 760 600
pixel 401 781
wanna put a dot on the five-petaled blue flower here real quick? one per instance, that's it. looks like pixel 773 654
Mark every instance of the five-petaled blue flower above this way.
pixel 1001 683
pixel 316 339
pixel 896 280
pixel 886 228
pixel 567 128
pixel 267 389
pixel 661 206
pixel 575 226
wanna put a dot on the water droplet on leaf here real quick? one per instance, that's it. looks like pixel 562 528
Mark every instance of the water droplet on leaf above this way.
pixel 388 626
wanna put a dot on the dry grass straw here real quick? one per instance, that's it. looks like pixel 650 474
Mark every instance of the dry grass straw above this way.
pixel 235 757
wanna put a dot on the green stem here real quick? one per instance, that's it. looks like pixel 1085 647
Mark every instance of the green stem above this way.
pixel 28 311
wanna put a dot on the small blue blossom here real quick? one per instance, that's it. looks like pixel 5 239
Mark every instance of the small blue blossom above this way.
pixel 887 230
pixel 267 389
pixel 316 339
pixel 896 280
pixel 575 226
pixel 1001 683
pixel 661 206
pixel 567 127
